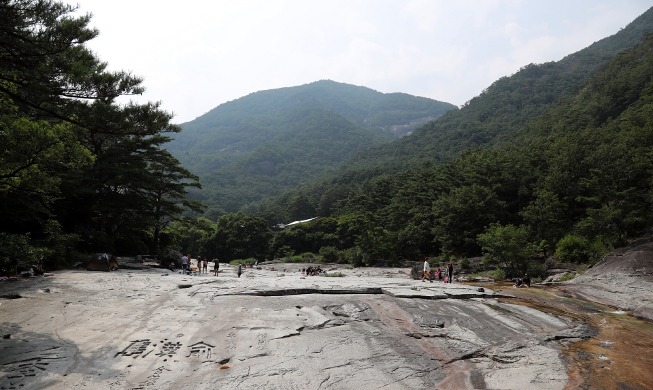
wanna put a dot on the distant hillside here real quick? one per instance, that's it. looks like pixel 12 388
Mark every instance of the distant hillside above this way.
pixel 553 166
pixel 499 113
pixel 503 114
pixel 255 147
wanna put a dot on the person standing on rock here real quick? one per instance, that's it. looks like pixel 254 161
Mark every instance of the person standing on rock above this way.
pixel 205 265
pixel 216 266
pixel 240 270
pixel 426 273
pixel 184 263
pixel 449 272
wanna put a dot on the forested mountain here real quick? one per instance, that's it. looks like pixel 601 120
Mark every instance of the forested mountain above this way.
pixel 498 116
pixel 252 148
pixel 501 110
pixel 554 159
pixel 557 158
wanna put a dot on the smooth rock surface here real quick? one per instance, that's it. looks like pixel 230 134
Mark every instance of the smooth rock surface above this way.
pixel 623 280
pixel 371 329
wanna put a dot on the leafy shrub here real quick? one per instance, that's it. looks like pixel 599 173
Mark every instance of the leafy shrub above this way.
pixel 507 247
pixel 285 251
pixel 308 257
pixel 499 274
pixel 567 276
pixel 249 260
pixel 293 259
pixel 351 256
pixel 574 249
pixel 17 249
pixel 329 254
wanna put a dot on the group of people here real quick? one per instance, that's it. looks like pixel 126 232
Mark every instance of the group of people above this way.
pixel 440 275
pixel 202 265
pixel 523 282
pixel 313 271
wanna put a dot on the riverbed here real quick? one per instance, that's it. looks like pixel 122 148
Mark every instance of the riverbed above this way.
pixel 276 328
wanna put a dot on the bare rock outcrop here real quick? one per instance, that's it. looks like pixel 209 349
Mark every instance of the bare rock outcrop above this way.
pixel 139 330
pixel 623 279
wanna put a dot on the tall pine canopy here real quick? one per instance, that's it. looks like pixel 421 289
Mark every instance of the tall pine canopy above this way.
pixel 79 171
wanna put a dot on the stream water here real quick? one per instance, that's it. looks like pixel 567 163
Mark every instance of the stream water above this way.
pixel 619 356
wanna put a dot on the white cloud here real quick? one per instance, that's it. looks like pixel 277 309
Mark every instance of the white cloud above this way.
pixel 195 55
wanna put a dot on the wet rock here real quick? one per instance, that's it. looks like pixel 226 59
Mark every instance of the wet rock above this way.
pixel 580 332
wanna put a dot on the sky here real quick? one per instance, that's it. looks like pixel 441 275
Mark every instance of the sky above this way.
pixel 197 54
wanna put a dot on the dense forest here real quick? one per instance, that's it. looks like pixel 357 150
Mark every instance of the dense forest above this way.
pixel 555 160
pixel 79 172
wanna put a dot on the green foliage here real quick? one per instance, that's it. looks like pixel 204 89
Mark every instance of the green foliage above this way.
pixel 239 236
pixel 247 261
pixel 537 270
pixel 567 276
pixel 189 236
pixel 545 218
pixel 302 258
pixel 329 254
pixel 566 149
pixel 61 247
pixel 552 164
pixel 305 237
pixel 71 155
pixel 498 274
pixel 16 249
pixel 508 247
pixel 558 154
pixel 574 249
pixel 271 141
pixel 462 214
pixel 353 256
pixel 293 259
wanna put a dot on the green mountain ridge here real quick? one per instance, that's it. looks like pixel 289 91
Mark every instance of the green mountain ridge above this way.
pixel 498 116
pixel 498 113
pixel 255 147
pixel 574 181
